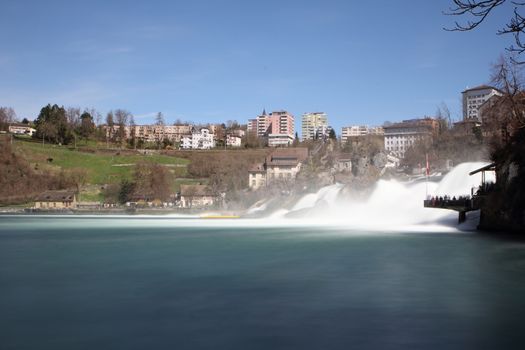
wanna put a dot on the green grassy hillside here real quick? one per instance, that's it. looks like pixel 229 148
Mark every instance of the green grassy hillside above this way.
pixel 101 167
pixel 228 168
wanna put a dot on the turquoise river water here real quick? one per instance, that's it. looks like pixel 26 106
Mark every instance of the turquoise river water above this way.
pixel 156 283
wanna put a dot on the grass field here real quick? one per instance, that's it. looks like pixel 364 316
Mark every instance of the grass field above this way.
pixel 107 166
pixel 102 168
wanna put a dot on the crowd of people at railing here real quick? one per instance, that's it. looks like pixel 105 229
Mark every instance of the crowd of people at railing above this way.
pixel 447 201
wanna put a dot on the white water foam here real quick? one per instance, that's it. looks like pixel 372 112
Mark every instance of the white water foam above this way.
pixel 391 206
pixel 459 183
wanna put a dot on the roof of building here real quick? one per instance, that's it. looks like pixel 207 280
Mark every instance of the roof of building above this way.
pixel 298 153
pixel 283 162
pixel 257 168
pixel 21 125
pixel 56 196
pixel 415 123
pixel 195 190
pixel 488 167
pixel 480 87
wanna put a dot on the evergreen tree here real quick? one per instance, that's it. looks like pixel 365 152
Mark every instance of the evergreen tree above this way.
pixel 87 126
pixel 52 125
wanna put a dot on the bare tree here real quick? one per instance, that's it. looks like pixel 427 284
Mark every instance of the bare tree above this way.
pixel 7 116
pixel 78 177
pixel 132 132
pixel 97 117
pixel 477 11
pixel 443 117
pixel 110 122
pixel 160 122
pixel 159 119
pixel 507 76
pixel 73 117
pixel 121 117
pixel 152 181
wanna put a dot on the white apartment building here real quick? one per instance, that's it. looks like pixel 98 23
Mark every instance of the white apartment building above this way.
pixel 21 129
pixel 201 139
pixel 474 98
pixel 312 123
pixel 399 137
pixel 233 140
pixel 359 130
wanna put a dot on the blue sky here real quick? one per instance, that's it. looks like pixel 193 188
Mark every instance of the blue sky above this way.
pixel 361 62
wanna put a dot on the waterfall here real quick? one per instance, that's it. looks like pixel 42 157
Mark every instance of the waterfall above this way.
pixel 391 205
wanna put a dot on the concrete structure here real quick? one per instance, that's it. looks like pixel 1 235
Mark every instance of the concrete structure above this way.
pixel 473 98
pixel 56 200
pixel 281 166
pixel 400 136
pixel 277 128
pixel 201 139
pixel 196 196
pixel 359 130
pixel 312 124
pixel 21 129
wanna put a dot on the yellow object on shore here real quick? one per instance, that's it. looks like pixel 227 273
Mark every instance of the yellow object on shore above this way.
pixel 219 216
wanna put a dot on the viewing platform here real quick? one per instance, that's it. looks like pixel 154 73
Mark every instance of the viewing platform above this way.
pixel 461 205
pixel 464 204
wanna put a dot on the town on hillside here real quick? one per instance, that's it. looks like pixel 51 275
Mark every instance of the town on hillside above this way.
pixel 68 159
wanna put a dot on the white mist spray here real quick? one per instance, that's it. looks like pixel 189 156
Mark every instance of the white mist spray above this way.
pixel 392 205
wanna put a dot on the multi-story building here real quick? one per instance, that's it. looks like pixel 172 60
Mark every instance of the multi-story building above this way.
pixel 359 130
pixel 196 196
pixel 198 139
pixel 281 166
pixel 312 123
pixel 473 98
pixel 151 133
pixel 323 132
pixel 277 127
pixel 401 136
pixel 251 127
pixel 233 140
pixel 21 129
